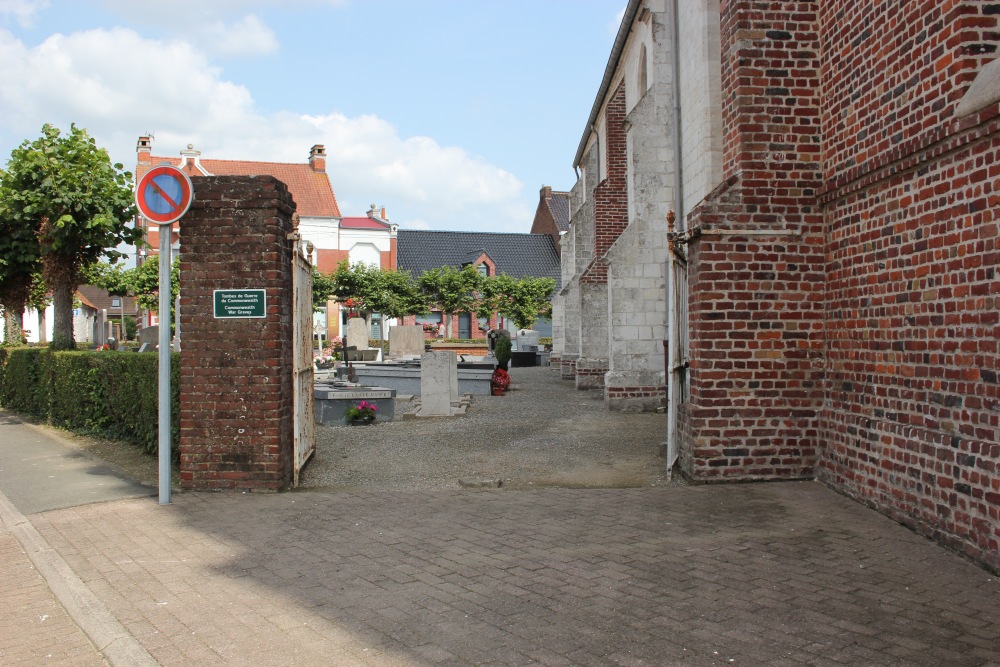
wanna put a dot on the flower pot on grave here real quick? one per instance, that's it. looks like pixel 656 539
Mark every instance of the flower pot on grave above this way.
pixel 496 391
pixel 363 421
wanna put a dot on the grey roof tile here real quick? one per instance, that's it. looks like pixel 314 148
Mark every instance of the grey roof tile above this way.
pixel 517 255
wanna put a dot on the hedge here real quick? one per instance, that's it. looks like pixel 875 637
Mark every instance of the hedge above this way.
pixel 108 394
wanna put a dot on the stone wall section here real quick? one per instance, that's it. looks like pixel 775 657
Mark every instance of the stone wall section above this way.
pixel 635 380
pixel 236 374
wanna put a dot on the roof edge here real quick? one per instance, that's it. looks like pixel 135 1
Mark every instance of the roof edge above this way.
pixel 609 72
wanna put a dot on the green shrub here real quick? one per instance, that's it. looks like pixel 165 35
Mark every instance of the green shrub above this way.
pixel 109 394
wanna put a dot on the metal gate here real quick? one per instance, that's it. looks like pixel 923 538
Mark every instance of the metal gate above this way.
pixel 678 381
pixel 302 353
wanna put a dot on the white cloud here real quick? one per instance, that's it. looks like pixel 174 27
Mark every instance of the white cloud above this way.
pixel 22 11
pixel 246 37
pixel 119 85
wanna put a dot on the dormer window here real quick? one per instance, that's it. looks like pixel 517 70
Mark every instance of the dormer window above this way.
pixel 484 270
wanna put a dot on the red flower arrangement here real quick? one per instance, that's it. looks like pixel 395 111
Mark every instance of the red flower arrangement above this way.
pixel 500 380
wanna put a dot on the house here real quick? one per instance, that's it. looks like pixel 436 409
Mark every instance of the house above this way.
pixel 828 283
pixel 516 255
pixel 551 215
pixel 102 315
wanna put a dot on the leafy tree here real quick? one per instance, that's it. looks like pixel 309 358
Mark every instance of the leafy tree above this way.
pixel 526 299
pixel 522 300
pixel 19 256
pixel 144 283
pixel 451 290
pixel 323 288
pixel 79 205
pixel 391 293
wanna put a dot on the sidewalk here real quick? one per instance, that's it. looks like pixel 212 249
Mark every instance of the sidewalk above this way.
pixel 751 574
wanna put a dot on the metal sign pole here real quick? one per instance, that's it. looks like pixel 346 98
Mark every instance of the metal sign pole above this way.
pixel 163 196
pixel 164 364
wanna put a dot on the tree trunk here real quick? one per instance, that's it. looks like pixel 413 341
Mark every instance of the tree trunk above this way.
pixel 13 324
pixel 62 325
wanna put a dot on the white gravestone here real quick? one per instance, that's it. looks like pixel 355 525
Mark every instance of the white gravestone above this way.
pixel 438 383
pixel 357 333
pixel 406 341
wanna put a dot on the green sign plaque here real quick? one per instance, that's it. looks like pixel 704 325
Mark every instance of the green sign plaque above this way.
pixel 230 303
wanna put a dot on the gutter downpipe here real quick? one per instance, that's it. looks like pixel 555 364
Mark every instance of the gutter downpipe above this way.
pixel 673 354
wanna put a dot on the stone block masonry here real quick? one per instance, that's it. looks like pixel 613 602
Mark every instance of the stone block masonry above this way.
pixel 236 373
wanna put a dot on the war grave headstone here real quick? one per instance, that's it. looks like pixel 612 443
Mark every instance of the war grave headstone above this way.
pixel 439 387
pixel 406 341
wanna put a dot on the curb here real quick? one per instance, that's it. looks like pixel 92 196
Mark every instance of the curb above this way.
pixel 110 637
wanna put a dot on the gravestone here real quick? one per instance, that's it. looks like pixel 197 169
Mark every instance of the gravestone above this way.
pixel 149 336
pixel 357 333
pixel 406 341
pixel 527 340
pixel 438 383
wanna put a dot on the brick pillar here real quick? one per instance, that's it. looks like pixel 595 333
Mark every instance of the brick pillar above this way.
pixel 236 374
pixel 756 260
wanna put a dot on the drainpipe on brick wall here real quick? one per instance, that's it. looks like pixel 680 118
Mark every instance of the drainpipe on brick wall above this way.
pixel 672 356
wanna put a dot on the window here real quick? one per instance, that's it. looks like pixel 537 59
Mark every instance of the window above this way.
pixel 484 270
pixel 116 302
pixel 429 318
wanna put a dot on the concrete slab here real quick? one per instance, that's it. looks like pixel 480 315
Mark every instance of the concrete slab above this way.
pixel 40 472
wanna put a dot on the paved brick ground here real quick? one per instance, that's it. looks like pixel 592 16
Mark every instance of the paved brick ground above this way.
pixel 34 627
pixel 765 574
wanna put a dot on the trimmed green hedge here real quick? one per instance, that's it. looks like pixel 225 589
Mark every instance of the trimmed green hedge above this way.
pixel 108 394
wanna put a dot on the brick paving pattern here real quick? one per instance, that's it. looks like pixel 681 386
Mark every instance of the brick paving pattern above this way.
pixel 34 627
pixel 764 574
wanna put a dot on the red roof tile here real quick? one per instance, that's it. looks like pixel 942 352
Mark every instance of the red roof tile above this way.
pixel 362 223
pixel 311 190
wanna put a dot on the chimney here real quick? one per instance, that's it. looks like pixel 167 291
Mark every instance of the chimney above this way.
pixel 144 148
pixel 317 158
pixel 546 192
pixel 383 215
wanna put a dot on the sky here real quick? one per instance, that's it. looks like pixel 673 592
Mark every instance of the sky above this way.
pixel 452 114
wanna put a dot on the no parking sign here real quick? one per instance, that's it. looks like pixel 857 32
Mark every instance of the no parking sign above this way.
pixel 164 194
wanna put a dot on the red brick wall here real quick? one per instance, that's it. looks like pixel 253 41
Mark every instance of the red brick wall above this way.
pixel 611 194
pixel 236 374
pixel 327 259
pixel 756 259
pixel 913 401
pixel 543 222
pixel 861 341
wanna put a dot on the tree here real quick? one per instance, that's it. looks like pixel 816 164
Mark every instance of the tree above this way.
pixel 144 283
pixel 79 205
pixel 526 299
pixel 19 255
pixel 323 288
pixel 451 290
pixel 522 300
pixel 391 293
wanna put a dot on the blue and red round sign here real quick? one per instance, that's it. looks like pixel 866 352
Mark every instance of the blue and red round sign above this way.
pixel 164 194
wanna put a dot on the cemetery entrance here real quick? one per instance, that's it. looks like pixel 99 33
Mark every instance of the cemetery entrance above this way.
pixel 246 420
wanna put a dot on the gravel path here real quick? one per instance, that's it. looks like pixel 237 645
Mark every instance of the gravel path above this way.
pixel 542 433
